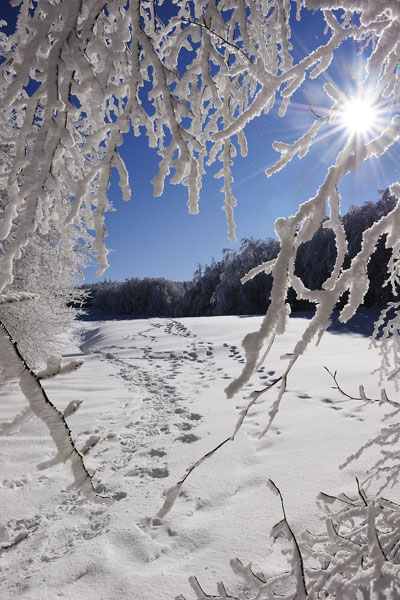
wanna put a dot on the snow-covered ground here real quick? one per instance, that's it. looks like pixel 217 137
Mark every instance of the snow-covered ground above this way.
pixel 153 404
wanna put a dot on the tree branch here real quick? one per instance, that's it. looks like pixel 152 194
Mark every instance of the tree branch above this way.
pixel 14 364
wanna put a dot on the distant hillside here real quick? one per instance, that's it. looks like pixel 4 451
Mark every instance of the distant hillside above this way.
pixel 216 289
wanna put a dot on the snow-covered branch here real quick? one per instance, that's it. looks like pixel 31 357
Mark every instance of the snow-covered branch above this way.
pixel 17 297
pixel 212 69
pixel 362 396
pixel 14 366
pixel 356 556
pixel 55 368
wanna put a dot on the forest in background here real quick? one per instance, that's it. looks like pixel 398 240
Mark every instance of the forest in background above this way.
pixel 216 289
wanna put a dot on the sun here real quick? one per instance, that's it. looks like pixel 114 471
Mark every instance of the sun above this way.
pixel 359 115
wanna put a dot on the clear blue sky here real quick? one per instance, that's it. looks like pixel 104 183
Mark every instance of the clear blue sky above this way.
pixel 157 237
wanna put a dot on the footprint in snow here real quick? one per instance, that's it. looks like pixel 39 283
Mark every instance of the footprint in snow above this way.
pixel 12 484
pixel 327 401
pixel 187 438
pixel 194 417
pixel 183 426
pixel 154 472
pixel 157 452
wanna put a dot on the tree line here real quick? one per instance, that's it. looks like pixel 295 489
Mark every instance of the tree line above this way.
pixel 216 288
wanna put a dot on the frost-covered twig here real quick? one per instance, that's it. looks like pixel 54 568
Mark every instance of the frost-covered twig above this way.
pixel 55 368
pixel 357 556
pixel 386 334
pixel 295 231
pixel 235 47
pixel 259 586
pixel 300 147
pixel 254 396
pixel 386 468
pixel 173 492
pixel 9 427
pixel 358 552
pixel 17 297
pixel 72 408
pixel 201 595
pixel 384 399
pixel 297 561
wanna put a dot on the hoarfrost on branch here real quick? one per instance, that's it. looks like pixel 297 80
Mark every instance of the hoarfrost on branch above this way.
pixel 78 75
pixel 190 75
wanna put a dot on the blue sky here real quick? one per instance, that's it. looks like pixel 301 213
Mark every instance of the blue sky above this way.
pixel 157 237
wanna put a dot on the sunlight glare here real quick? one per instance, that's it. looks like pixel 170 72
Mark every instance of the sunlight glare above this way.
pixel 359 115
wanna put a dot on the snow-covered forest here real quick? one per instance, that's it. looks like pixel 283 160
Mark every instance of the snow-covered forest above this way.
pixel 216 289
pixel 97 474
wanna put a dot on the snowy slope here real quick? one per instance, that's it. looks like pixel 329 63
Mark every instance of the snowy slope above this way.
pixel 153 404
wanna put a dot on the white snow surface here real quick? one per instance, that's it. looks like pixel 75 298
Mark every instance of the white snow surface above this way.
pixel 153 404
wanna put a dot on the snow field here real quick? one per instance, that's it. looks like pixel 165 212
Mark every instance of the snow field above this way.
pixel 153 404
